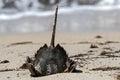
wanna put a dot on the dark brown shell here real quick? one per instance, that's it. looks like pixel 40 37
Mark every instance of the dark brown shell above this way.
pixel 49 60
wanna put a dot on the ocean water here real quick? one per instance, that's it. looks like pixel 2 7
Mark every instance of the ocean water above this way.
pixel 104 16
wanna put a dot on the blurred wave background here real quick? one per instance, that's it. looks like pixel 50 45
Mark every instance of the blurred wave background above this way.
pixel 75 16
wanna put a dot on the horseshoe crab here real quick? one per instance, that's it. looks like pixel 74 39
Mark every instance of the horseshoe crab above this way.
pixel 50 59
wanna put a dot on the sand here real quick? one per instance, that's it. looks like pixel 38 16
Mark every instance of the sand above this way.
pixel 101 62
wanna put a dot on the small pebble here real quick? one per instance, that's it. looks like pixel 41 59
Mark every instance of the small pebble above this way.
pixel 93 46
pixel 98 36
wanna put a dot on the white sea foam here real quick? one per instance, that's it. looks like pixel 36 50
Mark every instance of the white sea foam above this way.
pixel 102 5
pixel 61 10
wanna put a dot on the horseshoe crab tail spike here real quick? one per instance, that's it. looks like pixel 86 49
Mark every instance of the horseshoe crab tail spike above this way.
pixel 52 44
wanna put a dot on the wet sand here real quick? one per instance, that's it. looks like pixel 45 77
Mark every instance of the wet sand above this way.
pixel 98 55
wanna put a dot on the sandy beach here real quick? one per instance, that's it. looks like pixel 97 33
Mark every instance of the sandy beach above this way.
pixel 98 55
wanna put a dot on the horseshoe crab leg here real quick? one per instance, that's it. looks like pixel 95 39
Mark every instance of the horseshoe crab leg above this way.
pixel 31 69
pixel 73 67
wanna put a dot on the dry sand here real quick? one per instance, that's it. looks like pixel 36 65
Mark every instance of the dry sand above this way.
pixel 102 63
